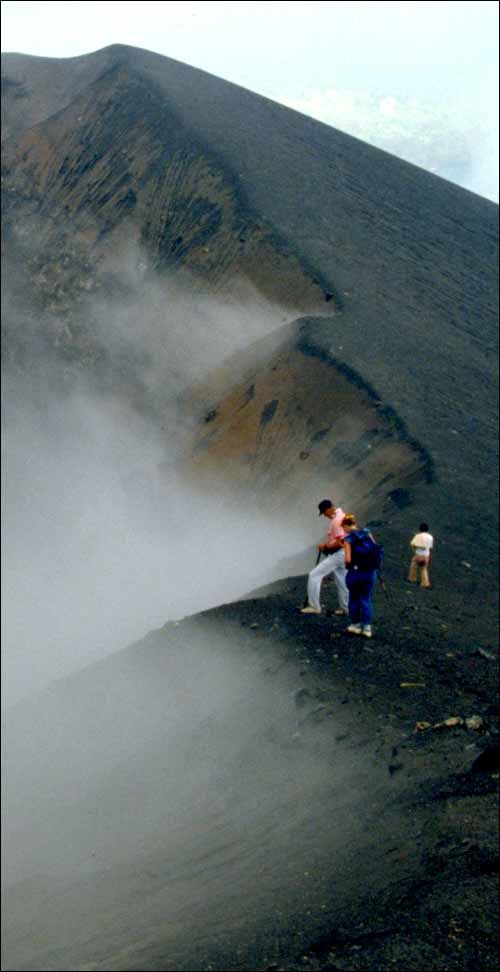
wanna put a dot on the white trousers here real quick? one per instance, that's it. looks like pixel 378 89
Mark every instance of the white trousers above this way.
pixel 333 564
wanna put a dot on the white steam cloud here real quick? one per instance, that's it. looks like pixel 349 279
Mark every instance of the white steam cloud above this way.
pixel 103 539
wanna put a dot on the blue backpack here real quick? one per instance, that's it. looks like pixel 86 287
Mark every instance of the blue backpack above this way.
pixel 365 553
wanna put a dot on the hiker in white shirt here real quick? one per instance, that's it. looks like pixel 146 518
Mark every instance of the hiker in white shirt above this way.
pixel 422 546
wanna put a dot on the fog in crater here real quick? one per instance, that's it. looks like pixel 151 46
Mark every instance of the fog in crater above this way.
pixel 103 537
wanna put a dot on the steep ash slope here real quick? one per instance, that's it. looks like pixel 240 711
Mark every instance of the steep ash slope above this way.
pixel 219 794
pixel 247 786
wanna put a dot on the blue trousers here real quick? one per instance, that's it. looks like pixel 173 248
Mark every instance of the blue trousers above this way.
pixel 360 585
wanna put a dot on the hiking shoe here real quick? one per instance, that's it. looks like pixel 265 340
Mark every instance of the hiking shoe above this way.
pixel 341 613
pixel 354 629
pixel 310 610
pixel 367 631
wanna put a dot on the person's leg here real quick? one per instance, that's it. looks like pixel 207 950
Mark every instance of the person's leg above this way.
pixel 424 573
pixel 353 600
pixel 316 576
pixel 412 575
pixel 354 609
pixel 339 575
pixel 366 584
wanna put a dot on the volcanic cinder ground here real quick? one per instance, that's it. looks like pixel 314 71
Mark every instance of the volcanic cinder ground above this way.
pixel 217 312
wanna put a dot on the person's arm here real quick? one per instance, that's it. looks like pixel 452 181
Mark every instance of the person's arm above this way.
pixel 347 548
pixel 336 544
pixel 332 543
pixel 330 547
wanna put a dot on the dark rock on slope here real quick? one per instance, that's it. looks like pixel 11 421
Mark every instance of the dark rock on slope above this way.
pixel 300 419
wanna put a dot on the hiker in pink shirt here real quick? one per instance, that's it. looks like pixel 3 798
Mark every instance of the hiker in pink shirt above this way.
pixel 333 562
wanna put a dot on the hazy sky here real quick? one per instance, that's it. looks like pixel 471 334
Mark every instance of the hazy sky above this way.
pixel 419 79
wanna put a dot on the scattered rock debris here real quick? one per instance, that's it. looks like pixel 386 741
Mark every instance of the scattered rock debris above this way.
pixel 474 722
pixel 446 724
pixel 485 654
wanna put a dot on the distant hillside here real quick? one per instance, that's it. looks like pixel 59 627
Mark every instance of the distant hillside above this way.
pixel 127 174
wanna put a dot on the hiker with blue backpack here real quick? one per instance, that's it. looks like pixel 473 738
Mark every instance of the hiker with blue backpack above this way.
pixel 363 557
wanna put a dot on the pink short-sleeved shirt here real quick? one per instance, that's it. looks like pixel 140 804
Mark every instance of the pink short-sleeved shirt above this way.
pixel 335 531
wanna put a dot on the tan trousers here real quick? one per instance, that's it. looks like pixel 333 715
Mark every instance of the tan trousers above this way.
pixel 422 562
